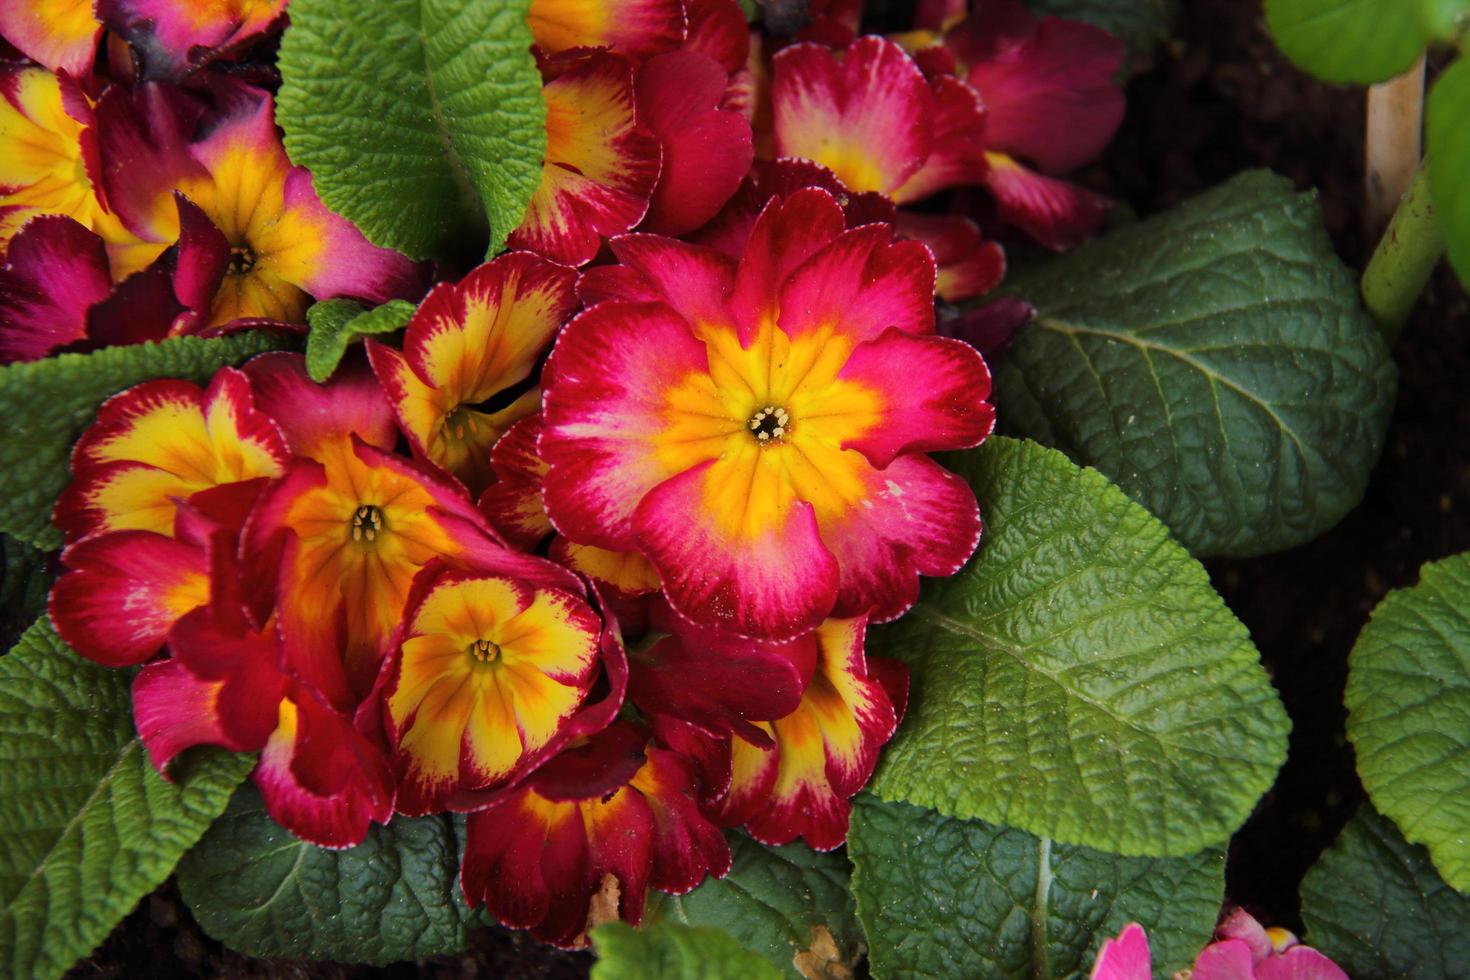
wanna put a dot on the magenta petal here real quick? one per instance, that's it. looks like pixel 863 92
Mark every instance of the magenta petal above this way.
pixel 56 270
pixel 1297 963
pixel 1226 960
pixel 1125 958
pixel 203 256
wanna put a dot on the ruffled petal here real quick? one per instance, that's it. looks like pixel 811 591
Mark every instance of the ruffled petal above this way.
pixel 636 28
pixel 57 269
pixel 512 504
pixel 175 37
pixel 1127 957
pixel 622 574
pixel 968 265
pixel 863 283
pixel 1055 213
pixel 60 34
pixel 318 418
pixel 961 134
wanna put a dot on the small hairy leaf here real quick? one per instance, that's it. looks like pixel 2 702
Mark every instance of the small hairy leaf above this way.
pixel 1079 679
pixel 1360 41
pixel 944 898
pixel 421 120
pixel 669 951
pixel 1141 24
pixel 1215 363
pixel 87 827
pixel 263 892
pixel 1408 699
pixel 1448 137
pixel 774 901
pixel 47 404
pixel 337 323
pixel 1374 904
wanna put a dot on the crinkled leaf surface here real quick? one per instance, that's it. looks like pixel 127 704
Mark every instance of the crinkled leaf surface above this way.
pixel 421 120
pixel 87 827
pixel 47 404
pixel 944 898
pixel 24 582
pixel 774 901
pixel 1140 23
pixel 1408 699
pixel 1448 136
pixel 1375 905
pixel 670 951
pixel 1361 41
pixel 261 891
pixel 337 323
pixel 1079 679
pixel 1214 362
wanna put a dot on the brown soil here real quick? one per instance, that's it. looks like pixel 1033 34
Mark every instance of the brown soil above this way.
pixel 1217 99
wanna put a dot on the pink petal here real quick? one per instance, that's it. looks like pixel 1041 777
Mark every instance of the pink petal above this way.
pixel 56 270
pixel 1124 958
pixel 1056 214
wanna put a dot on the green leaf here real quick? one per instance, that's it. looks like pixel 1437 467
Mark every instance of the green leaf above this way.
pixel 1443 20
pixel 263 892
pixel 1141 24
pixel 25 580
pixel 669 951
pixel 337 323
pixel 1360 41
pixel 1408 699
pixel 1375 906
pixel 782 902
pixel 421 120
pixel 87 827
pixel 1079 679
pixel 1215 363
pixel 47 404
pixel 962 898
pixel 1448 139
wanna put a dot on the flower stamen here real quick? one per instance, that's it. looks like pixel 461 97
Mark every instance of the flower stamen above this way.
pixel 242 260
pixel 770 423
pixel 367 521
pixel 484 651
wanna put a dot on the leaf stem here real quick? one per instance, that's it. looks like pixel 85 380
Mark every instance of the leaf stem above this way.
pixel 1403 260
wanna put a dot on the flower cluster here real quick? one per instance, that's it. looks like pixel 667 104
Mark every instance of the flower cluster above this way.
pixel 1242 949
pixel 608 600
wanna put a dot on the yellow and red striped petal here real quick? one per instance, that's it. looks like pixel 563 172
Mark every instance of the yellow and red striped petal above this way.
pixel 178 36
pixel 825 750
pixel 124 592
pixel 60 34
pixel 624 574
pixel 487 672
pixel 601 165
pixel 512 504
pixel 160 442
pixel 636 28
pixel 868 117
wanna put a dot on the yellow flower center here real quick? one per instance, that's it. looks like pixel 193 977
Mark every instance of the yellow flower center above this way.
pixel 770 424
pixel 242 260
pixel 483 651
pixel 367 523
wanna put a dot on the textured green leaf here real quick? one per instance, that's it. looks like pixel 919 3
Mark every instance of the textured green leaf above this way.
pixel 263 892
pixel 1408 698
pixel 1362 41
pixel 87 827
pixel 1374 904
pixel 669 951
pixel 1448 137
pixel 47 404
pixel 25 581
pixel 962 898
pixel 421 120
pixel 1444 19
pixel 1079 679
pixel 773 901
pixel 1215 363
pixel 336 323
pixel 1140 23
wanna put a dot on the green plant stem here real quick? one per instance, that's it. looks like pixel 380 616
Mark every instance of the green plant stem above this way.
pixel 1403 260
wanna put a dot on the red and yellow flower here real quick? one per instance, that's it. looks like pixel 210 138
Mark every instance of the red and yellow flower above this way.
pixel 174 37
pixel 757 430
pixel 60 34
pixel 467 343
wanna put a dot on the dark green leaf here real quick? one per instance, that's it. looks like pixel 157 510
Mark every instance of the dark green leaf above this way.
pixel 262 892
pixel 1362 41
pixel 1448 136
pixel 337 323
pixel 669 951
pixel 421 120
pixel 87 827
pixel 774 901
pixel 1215 363
pixel 47 404
pixel 1079 679
pixel 1408 699
pixel 1140 23
pixel 962 898
pixel 1375 906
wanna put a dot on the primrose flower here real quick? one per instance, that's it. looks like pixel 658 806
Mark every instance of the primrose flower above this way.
pixel 278 245
pixel 466 343
pixel 175 37
pixel 636 28
pixel 50 164
pixel 487 672
pixel 512 504
pixel 601 165
pixel 1243 950
pixel 60 34
pixel 161 442
pixel 800 780
pixel 582 840
pixel 969 266
pixel 757 430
